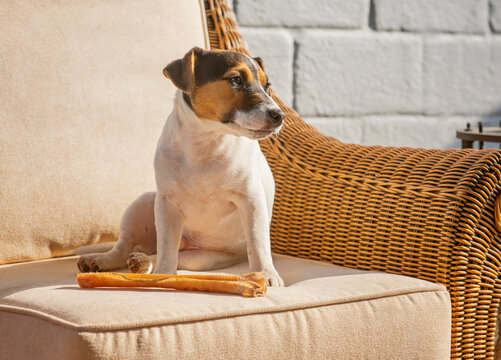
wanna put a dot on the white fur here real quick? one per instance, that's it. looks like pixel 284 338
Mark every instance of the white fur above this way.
pixel 213 203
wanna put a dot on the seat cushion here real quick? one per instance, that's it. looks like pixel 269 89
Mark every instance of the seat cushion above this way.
pixel 324 312
pixel 82 105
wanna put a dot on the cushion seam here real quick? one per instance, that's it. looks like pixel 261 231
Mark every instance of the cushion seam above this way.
pixel 100 328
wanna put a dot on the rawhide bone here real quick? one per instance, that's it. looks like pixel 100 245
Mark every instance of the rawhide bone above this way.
pixel 251 285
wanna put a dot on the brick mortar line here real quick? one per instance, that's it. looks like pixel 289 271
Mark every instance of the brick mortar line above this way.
pixel 271 27
pixel 490 13
pixel 423 69
pixel 371 16
pixel 368 30
pixel 295 54
pixel 403 115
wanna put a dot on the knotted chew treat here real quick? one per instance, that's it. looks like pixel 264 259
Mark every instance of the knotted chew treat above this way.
pixel 251 285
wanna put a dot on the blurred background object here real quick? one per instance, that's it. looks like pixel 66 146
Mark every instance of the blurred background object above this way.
pixel 382 72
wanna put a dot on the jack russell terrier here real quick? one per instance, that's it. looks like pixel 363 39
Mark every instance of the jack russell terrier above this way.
pixel 215 190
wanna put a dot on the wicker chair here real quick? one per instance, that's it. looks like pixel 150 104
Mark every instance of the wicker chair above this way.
pixel 430 214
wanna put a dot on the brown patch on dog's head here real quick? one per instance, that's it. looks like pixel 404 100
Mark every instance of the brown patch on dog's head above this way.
pixel 219 85
pixel 263 78
pixel 181 72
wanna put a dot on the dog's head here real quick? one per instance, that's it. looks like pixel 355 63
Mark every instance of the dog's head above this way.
pixel 227 87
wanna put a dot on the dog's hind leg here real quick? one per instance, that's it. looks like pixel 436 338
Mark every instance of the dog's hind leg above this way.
pixel 194 260
pixel 203 260
pixel 140 263
pixel 111 260
pixel 137 232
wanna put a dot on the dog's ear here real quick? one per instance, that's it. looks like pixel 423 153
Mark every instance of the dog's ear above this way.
pixel 182 71
pixel 260 62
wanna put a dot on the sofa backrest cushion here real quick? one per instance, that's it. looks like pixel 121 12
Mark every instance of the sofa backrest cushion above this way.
pixel 82 104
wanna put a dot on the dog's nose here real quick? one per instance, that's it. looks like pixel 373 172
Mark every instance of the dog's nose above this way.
pixel 276 114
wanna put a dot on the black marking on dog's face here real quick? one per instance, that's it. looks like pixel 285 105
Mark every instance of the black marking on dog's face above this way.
pixel 223 86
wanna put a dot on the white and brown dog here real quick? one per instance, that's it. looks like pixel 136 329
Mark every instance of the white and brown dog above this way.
pixel 215 190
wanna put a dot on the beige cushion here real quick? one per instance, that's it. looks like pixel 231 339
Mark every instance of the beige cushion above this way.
pixel 82 103
pixel 325 312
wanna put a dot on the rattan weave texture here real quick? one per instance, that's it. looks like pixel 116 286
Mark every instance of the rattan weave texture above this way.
pixel 424 213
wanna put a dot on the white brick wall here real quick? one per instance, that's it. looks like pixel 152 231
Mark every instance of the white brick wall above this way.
pixel 462 75
pixel 495 8
pixel 456 16
pixel 301 13
pixel 388 72
pixel 276 48
pixel 353 73
pixel 398 130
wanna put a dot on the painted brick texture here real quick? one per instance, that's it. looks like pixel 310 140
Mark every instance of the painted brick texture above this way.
pixel 365 74
pixel 301 13
pixel 495 19
pixel 388 72
pixel 276 48
pixel 456 16
pixel 462 75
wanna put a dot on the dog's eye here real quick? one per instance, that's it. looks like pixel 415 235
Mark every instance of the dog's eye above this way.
pixel 236 81
pixel 267 87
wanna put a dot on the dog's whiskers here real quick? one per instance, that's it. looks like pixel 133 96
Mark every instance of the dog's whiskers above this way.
pixel 277 134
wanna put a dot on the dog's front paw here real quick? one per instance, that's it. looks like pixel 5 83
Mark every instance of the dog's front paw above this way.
pixel 272 278
pixel 139 263
pixel 92 263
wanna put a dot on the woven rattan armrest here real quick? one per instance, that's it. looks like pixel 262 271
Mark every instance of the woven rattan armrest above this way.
pixel 429 214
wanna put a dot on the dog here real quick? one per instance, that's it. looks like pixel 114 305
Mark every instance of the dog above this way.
pixel 215 190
